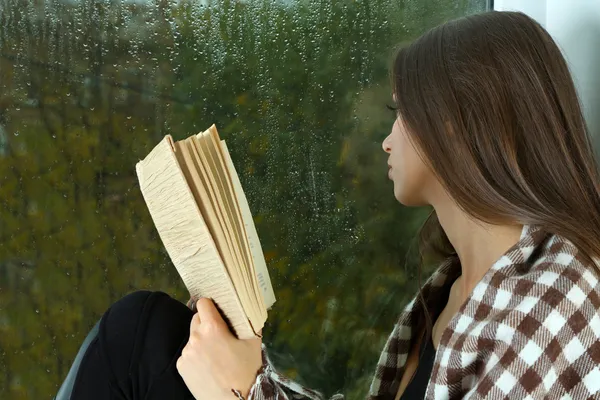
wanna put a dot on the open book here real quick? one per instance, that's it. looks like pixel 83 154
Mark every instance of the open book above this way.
pixel 201 213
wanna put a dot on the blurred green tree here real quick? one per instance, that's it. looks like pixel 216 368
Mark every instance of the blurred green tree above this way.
pixel 297 89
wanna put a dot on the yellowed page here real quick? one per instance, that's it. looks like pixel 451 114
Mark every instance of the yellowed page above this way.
pixel 219 155
pixel 203 200
pixel 227 198
pixel 199 180
pixel 185 234
pixel 260 266
pixel 204 181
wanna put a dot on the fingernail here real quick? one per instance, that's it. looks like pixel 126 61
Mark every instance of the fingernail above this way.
pixel 192 302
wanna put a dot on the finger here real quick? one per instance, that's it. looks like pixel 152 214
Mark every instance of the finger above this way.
pixel 195 322
pixel 209 314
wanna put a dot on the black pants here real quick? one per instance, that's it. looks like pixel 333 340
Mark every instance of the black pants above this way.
pixel 134 353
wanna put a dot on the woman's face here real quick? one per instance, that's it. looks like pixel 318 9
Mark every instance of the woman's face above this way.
pixel 409 173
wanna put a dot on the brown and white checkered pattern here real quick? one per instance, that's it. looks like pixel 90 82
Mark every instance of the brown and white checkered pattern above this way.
pixel 529 330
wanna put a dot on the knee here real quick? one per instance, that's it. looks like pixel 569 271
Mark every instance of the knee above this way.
pixel 142 306
pixel 144 321
pixel 136 298
pixel 139 336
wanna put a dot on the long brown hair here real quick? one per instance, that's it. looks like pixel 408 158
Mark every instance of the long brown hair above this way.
pixel 490 104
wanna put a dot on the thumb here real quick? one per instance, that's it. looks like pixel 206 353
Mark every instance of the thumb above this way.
pixel 209 313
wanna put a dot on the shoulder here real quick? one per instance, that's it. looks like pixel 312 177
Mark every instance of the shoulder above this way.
pixel 537 331
pixel 554 302
pixel 558 277
pixel 553 277
pixel 549 309
pixel 548 300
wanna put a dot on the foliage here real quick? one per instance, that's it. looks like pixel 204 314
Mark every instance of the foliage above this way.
pixel 297 89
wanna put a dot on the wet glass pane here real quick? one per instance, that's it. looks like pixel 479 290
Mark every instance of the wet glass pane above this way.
pixel 297 88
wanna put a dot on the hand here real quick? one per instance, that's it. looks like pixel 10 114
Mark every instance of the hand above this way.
pixel 214 361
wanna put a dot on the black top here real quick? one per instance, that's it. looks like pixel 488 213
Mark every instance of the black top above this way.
pixel 417 386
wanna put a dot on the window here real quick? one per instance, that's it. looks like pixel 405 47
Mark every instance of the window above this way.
pixel 298 90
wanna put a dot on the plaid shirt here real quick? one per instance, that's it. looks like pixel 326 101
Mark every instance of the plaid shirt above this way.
pixel 529 330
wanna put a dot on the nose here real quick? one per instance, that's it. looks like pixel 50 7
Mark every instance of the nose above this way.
pixel 386 144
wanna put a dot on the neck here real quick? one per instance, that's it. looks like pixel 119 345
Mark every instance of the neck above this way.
pixel 478 244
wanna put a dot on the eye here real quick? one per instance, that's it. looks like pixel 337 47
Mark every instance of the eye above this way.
pixel 393 109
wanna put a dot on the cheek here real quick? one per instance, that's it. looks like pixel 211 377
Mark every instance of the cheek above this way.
pixel 410 179
pixel 408 170
pixel 407 161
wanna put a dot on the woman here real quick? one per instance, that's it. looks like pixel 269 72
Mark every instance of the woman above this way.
pixel 490 133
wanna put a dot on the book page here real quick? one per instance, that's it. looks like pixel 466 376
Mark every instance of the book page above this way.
pixel 185 235
pixel 210 198
pixel 220 175
pixel 216 144
pixel 260 266
pixel 198 187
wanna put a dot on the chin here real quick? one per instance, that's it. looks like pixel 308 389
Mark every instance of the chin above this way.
pixel 410 199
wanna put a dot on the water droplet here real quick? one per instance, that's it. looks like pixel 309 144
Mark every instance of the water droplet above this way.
pixel 37 311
